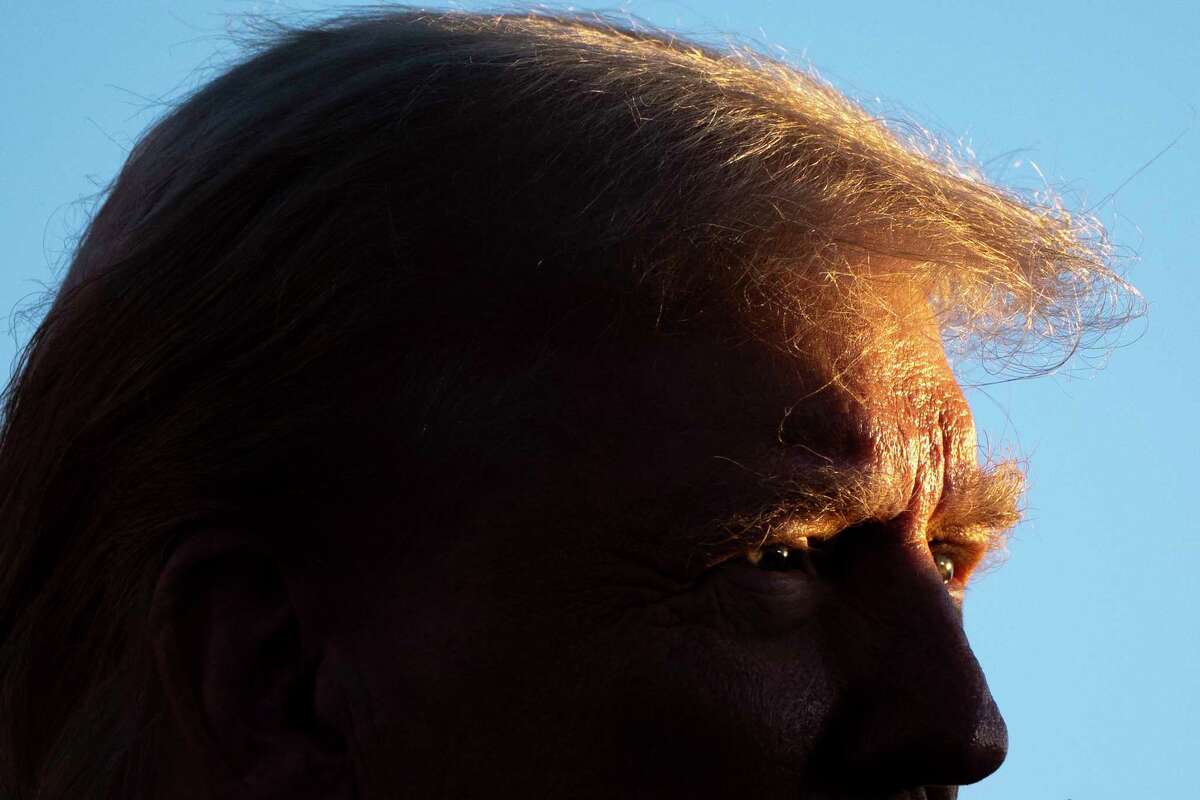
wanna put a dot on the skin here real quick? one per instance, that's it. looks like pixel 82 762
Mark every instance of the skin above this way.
pixel 584 630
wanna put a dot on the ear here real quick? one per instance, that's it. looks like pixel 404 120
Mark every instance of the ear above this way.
pixel 251 700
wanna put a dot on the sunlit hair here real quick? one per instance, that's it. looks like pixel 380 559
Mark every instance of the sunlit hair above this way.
pixel 431 205
pixel 802 189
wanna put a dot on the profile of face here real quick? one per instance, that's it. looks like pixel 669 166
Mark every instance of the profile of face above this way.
pixel 468 405
pixel 585 631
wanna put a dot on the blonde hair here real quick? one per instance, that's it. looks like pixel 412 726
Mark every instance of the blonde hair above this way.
pixel 806 188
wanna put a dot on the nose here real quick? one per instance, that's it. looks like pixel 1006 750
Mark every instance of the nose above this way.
pixel 916 709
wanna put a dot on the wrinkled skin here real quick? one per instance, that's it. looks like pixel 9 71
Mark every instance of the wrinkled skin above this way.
pixel 577 637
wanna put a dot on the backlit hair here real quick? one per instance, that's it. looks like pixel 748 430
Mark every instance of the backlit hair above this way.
pixel 424 203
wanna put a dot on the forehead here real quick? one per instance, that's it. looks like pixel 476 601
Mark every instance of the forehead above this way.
pixel 847 390
pixel 873 354
pixel 654 440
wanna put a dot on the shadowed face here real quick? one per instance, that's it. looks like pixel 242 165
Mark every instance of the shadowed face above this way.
pixel 729 570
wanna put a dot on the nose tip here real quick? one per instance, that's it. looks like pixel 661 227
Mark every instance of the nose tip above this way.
pixel 928 738
pixel 989 747
pixel 964 745
pixel 947 725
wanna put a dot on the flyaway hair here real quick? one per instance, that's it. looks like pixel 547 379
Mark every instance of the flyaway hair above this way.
pixel 429 203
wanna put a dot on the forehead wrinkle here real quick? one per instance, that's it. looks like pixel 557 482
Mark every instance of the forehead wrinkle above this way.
pixel 876 426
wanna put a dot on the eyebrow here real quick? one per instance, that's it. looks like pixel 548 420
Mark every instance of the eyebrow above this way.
pixel 977 506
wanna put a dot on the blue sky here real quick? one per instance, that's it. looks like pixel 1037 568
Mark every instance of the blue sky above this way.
pixel 1088 632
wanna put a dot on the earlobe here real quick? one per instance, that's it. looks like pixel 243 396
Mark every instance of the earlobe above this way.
pixel 241 682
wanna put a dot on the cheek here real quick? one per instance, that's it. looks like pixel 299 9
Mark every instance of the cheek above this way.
pixel 729 679
pixel 752 606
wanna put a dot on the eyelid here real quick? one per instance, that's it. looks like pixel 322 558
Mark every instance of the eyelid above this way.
pixel 822 533
pixel 791 542
pixel 967 544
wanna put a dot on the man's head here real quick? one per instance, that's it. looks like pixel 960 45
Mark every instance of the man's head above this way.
pixel 458 405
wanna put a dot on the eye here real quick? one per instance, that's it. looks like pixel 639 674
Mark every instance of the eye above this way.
pixel 945 566
pixel 781 557
pixel 951 560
